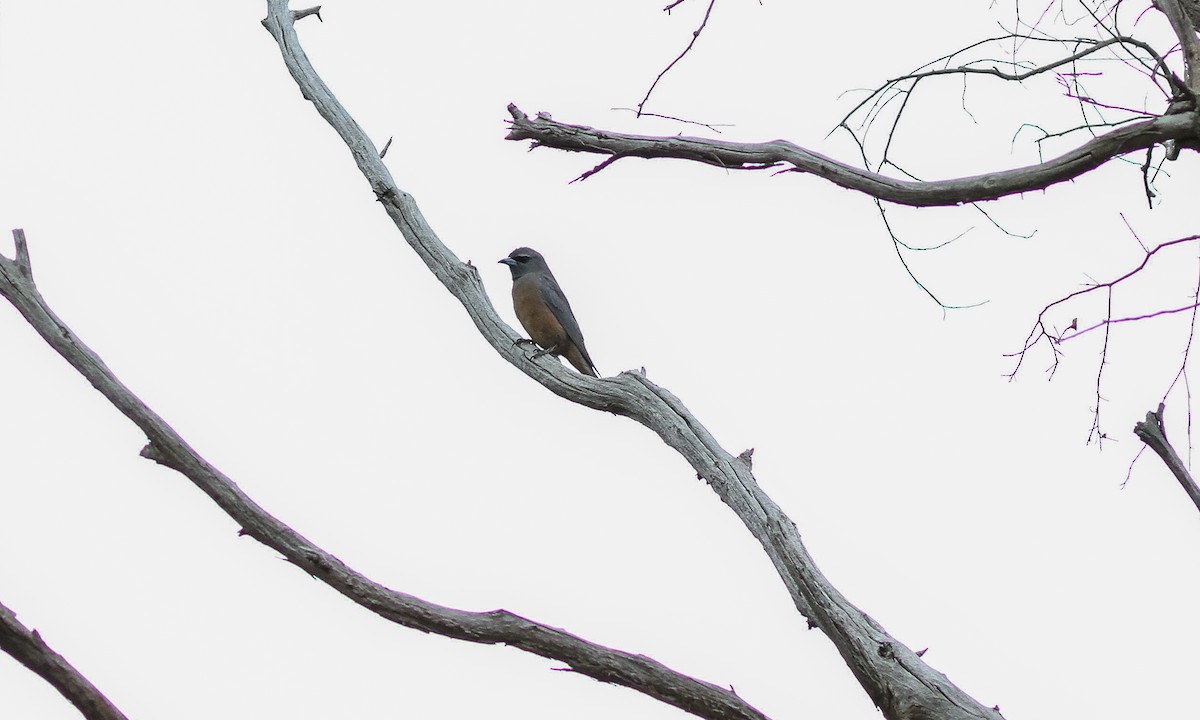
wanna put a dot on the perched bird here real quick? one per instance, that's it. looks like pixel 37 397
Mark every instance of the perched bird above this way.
pixel 544 311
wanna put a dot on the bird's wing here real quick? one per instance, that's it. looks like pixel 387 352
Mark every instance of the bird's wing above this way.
pixel 554 298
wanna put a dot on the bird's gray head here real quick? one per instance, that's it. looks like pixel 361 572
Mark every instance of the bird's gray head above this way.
pixel 523 261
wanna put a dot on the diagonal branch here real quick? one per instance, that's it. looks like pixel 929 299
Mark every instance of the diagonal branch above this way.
pixel 28 648
pixel 695 36
pixel 895 678
pixel 167 448
pixel 1152 432
pixel 544 131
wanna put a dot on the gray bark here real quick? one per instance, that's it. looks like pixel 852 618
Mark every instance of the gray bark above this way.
pixel 496 627
pixel 895 678
pixel 1178 128
pixel 28 648
pixel 1151 432
pixel 785 156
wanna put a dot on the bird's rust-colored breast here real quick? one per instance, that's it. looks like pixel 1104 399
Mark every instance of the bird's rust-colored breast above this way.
pixel 535 316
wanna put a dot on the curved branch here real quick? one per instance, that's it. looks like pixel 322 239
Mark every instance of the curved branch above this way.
pixel 28 648
pixel 497 627
pixel 895 678
pixel 544 131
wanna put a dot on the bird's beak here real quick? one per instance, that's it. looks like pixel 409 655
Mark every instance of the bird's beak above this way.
pixel 507 261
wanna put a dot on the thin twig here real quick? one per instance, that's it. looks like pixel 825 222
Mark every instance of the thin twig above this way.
pixel 695 36
pixel 1040 332
pixel 715 127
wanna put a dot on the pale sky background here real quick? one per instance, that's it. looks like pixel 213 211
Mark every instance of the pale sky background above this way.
pixel 197 223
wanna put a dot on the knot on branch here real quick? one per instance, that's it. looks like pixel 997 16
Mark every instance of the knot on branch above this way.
pixel 153 452
pixel 747 458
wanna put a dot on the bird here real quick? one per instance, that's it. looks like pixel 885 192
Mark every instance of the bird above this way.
pixel 543 310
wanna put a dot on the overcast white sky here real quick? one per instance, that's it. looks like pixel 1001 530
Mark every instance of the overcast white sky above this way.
pixel 196 222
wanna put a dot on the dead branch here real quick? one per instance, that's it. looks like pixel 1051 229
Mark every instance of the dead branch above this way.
pixel 1152 432
pixel 498 627
pixel 1041 332
pixel 546 132
pixel 1020 72
pixel 715 127
pixel 28 648
pixel 1142 130
pixel 686 50
pixel 899 682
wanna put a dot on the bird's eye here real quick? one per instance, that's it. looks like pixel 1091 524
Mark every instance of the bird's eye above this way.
pixel 521 258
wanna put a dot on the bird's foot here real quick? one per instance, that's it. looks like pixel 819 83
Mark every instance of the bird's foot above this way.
pixel 543 351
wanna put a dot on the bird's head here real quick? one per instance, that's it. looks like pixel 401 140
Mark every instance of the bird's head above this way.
pixel 523 261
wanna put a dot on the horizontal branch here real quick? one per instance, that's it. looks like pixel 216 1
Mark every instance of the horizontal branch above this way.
pixel 28 648
pixel 896 679
pixel 789 157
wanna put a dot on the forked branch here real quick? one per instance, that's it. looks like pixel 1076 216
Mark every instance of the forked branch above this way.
pixel 1045 333
pixel 498 627
pixel 695 36
pixel 1041 331
pixel 1152 432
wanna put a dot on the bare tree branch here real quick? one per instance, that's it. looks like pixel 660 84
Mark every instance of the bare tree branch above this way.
pixel 686 50
pixel 1108 321
pixel 27 647
pixel 1184 30
pixel 546 132
pixel 1041 331
pixel 898 681
pixel 1021 71
pixel 1152 432
pixel 1149 62
pixel 497 627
